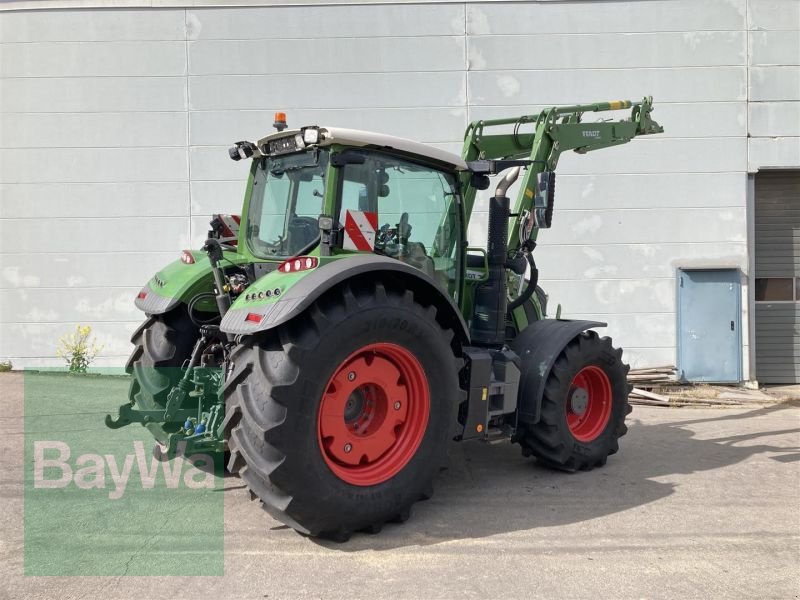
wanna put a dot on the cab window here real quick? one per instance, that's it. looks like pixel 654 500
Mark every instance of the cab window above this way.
pixel 417 212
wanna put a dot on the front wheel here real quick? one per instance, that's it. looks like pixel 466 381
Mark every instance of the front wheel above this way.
pixel 583 409
pixel 339 421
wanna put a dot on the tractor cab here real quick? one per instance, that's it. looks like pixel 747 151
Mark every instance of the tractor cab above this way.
pixel 331 192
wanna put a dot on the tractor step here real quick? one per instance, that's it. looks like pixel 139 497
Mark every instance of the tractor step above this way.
pixel 493 385
pixel 497 435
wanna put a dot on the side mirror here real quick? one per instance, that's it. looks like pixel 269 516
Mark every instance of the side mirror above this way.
pixel 544 199
pixel 480 181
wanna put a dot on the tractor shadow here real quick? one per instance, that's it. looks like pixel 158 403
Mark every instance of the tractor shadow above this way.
pixel 491 489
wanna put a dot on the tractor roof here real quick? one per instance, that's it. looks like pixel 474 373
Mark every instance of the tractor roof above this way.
pixel 356 137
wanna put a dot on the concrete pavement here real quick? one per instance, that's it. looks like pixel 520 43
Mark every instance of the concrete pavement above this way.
pixel 699 503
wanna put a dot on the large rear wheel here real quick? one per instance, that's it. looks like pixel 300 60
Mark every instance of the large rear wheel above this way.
pixel 339 421
pixel 583 409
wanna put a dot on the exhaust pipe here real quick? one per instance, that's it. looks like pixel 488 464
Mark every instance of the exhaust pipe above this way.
pixel 491 299
pixel 506 182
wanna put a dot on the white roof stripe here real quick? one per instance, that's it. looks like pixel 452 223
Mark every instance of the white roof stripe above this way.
pixel 357 137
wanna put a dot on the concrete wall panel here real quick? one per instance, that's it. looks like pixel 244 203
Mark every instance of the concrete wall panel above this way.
pixel 654 155
pixel 53 305
pixel 80 59
pixel 209 128
pixel 348 90
pixel 326 55
pixel 86 165
pixel 92 94
pixel 638 261
pixel 607 51
pixel 636 330
pixel 618 16
pixel 606 296
pixel 93 130
pixel 91 25
pixel 60 270
pixel 653 190
pixel 212 163
pixel 773 119
pixel 209 197
pixel 777 152
pixel 130 199
pixel 639 358
pixel 596 227
pixel 325 21
pixel 775 47
pixel 111 235
pixel 773 14
pixel 719 84
pixel 774 84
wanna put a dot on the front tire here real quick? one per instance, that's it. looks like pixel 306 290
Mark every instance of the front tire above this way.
pixel 339 420
pixel 583 409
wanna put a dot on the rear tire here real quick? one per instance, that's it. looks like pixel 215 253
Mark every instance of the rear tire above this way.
pixel 583 409
pixel 163 343
pixel 287 440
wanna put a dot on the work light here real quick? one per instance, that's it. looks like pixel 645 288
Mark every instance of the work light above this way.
pixel 311 135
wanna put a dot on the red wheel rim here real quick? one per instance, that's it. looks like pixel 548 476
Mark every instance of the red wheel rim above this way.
pixel 373 414
pixel 589 404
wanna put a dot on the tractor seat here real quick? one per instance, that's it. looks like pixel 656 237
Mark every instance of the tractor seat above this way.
pixel 303 231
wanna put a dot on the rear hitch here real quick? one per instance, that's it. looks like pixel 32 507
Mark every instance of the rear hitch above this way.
pixel 197 426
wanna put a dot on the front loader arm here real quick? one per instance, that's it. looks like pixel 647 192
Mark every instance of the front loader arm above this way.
pixel 556 130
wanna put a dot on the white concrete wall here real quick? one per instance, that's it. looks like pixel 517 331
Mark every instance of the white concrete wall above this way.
pixel 774 87
pixel 137 107
pixel 627 218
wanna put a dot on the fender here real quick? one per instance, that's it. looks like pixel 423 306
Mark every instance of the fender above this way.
pixel 180 281
pixel 538 346
pixel 244 320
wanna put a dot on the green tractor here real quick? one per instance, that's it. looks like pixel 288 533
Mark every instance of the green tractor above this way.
pixel 333 340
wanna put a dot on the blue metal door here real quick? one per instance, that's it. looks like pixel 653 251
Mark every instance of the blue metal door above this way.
pixel 709 325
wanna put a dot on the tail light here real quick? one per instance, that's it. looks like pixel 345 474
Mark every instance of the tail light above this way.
pixel 301 263
pixel 187 257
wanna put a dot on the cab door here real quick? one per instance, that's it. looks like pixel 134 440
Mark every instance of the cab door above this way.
pixel 414 208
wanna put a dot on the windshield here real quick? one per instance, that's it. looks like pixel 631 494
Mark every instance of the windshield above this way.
pixel 286 201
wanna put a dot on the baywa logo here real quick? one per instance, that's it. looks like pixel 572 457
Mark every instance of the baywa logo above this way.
pixel 102 501
pixel 96 471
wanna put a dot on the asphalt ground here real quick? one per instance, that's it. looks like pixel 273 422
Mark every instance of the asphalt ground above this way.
pixel 699 503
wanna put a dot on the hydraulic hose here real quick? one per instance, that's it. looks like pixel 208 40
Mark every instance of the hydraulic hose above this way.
pixel 193 302
pixel 530 288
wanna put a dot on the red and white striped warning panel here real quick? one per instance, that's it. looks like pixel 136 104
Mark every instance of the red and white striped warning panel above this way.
pixel 230 228
pixel 359 230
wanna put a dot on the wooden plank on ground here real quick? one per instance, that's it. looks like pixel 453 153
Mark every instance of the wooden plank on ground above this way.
pixel 650 395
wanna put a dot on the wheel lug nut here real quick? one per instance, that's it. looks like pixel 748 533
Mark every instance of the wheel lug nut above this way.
pixel 348 448
pixel 397 405
pixel 351 376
